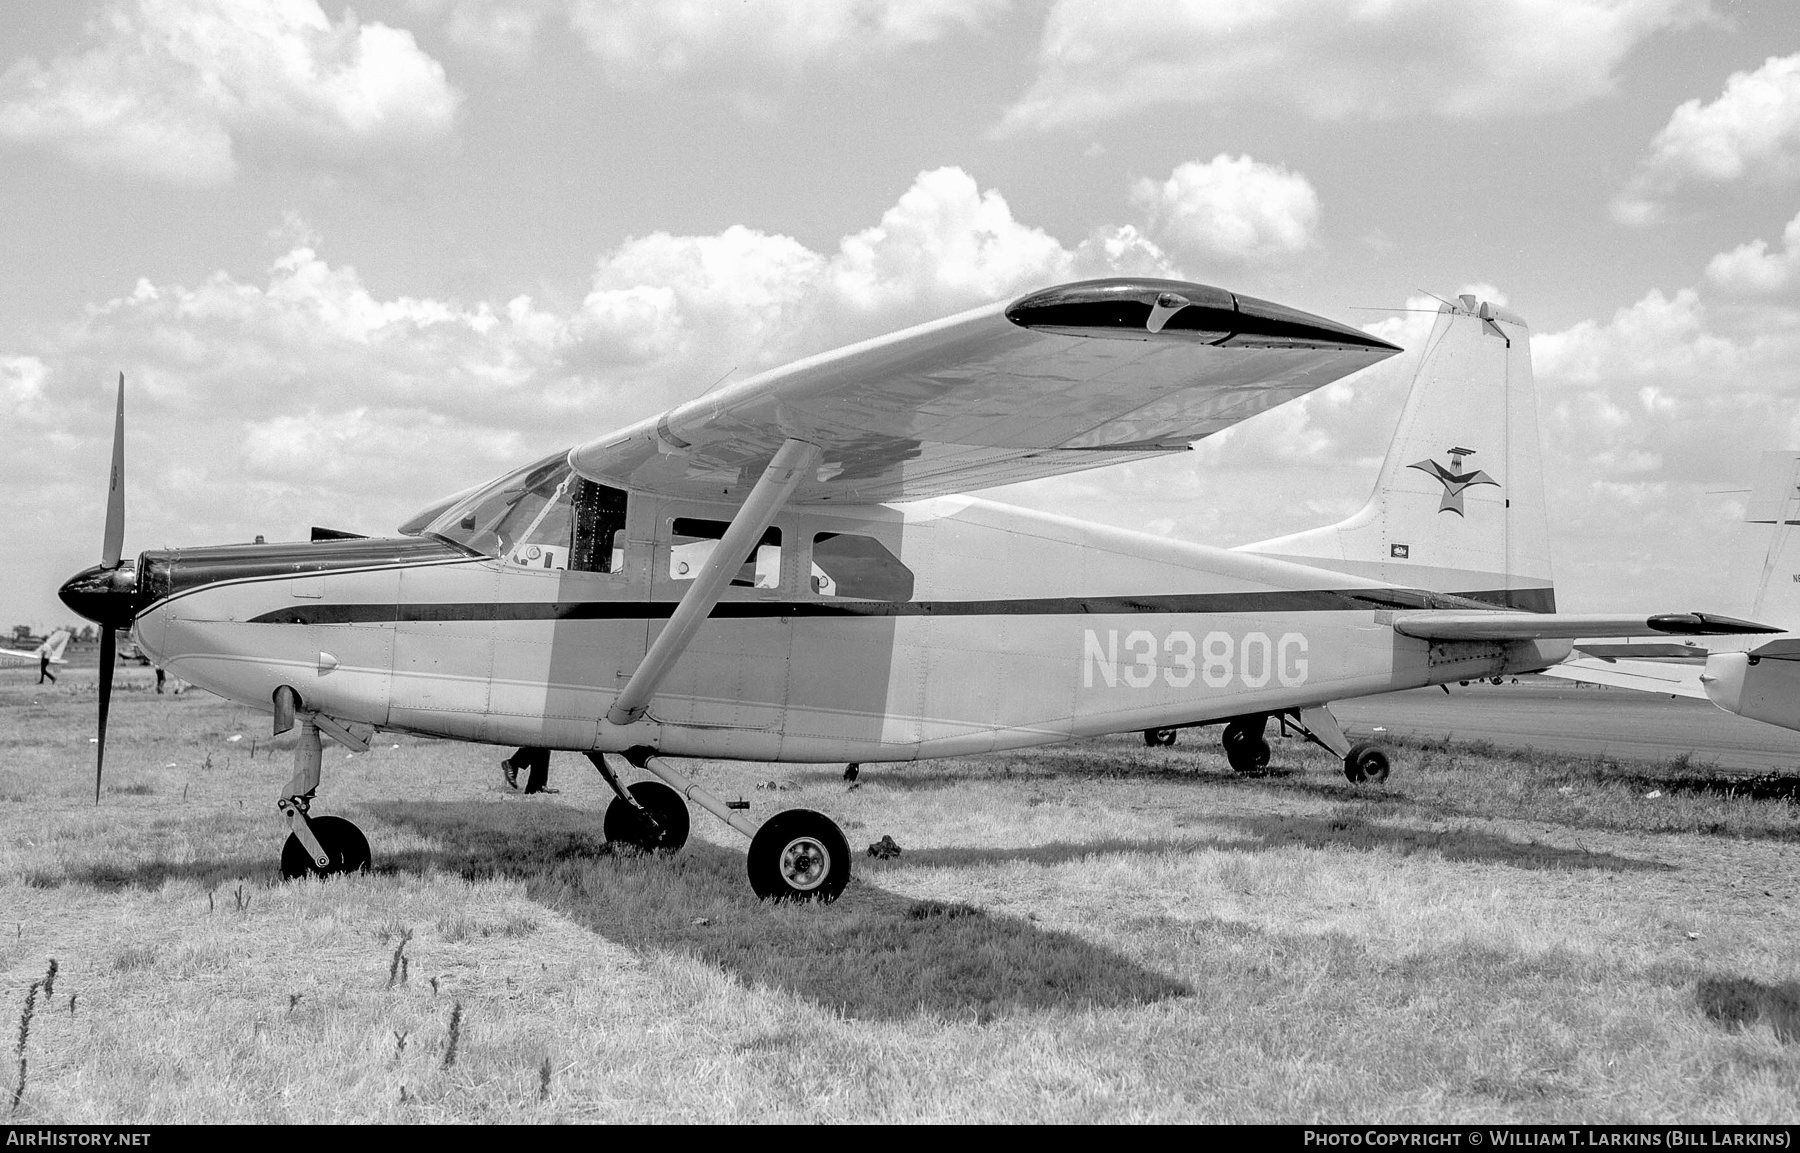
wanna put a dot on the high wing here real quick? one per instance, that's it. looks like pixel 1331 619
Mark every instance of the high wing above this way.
pixel 1070 378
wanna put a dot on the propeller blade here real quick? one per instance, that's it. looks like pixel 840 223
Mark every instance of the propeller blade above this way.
pixel 115 495
pixel 109 643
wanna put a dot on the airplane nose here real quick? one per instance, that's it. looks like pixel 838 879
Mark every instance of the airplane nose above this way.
pixel 106 595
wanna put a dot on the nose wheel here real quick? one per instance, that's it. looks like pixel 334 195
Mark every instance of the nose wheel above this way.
pixel 799 855
pixel 346 850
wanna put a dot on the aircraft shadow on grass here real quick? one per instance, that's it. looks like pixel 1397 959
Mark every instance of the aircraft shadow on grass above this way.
pixel 873 954
pixel 1262 833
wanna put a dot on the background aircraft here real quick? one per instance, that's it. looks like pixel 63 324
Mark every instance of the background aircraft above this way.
pixel 785 569
pixel 1757 678
pixel 54 644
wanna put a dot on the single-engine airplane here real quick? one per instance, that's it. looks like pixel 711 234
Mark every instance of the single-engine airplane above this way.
pixel 51 646
pixel 787 569
pixel 1755 677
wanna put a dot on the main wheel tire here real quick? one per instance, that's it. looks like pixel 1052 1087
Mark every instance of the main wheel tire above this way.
pixel 624 824
pixel 1365 762
pixel 1159 738
pixel 798 855
pixel 1245 749
pixel 342 841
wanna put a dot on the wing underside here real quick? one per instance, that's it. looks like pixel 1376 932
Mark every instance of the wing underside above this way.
pixel 1060 381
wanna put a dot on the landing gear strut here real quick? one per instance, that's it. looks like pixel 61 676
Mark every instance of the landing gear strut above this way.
pixel 1245 748
pixel 316 846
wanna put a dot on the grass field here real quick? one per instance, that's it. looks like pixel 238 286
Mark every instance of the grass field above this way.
pixel 1095 932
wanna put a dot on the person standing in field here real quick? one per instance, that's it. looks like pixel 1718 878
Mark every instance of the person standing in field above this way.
pixel 44 667
pixel 535 763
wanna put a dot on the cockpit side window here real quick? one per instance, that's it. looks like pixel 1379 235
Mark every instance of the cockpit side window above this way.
pixel 599 519
pixel 542 516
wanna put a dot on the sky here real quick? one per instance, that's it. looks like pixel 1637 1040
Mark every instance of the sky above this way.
pixel 351 259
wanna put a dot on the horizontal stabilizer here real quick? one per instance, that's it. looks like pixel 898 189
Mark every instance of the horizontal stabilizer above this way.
pixel 1645 676
pixel 1478 626
pixel 1782 649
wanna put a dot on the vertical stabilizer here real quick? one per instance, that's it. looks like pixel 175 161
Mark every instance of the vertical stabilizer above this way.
pixel 1765 565
pixel 1459 504
pixel 54 644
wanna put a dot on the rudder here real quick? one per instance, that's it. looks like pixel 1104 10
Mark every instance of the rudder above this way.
pixel 1459 503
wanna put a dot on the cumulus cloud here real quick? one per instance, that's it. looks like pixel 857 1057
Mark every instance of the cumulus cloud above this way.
pixel 1753 270
pixel 1647 415
pixel 1752 129
pixel 505 29
pixel 173 89
pixel 259 405
pixel 1232 209
pixel 1101 59
pixel 645 42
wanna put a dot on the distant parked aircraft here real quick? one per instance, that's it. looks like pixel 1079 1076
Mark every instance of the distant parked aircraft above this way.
pixel 1755 677
pixel 785 569
pixel 53 645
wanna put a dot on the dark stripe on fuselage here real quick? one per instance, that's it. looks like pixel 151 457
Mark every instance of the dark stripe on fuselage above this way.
pixel 1249 603
pixel 165 573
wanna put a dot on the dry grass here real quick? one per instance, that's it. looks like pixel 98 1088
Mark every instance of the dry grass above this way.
pixel 1098 932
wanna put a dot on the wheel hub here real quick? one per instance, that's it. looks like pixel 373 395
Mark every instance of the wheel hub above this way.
pixel 805 863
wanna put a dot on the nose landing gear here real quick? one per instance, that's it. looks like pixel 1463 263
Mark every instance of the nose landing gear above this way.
pixel 316 846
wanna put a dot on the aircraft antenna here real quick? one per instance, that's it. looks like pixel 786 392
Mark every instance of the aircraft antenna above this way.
pixel 717 382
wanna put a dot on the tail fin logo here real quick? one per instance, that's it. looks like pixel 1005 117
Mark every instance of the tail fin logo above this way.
pixel 1454 479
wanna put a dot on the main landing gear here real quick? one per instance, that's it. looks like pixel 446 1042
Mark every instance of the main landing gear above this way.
pixel 1365 762
pixel 796 855
pixel 1247 750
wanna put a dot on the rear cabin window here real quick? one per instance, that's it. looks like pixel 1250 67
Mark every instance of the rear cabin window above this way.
pixel 692 540
pixel 847 565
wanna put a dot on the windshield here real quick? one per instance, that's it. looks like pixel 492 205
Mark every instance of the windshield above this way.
pixel 543 516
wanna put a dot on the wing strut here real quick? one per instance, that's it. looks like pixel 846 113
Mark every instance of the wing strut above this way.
pixel 793 460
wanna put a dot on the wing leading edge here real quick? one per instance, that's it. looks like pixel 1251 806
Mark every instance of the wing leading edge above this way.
pixel 1059 381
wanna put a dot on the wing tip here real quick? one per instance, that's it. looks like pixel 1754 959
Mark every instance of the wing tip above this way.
pixel 1149 308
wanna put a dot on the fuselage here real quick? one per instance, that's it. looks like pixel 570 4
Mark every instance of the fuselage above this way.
pixel 929 629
